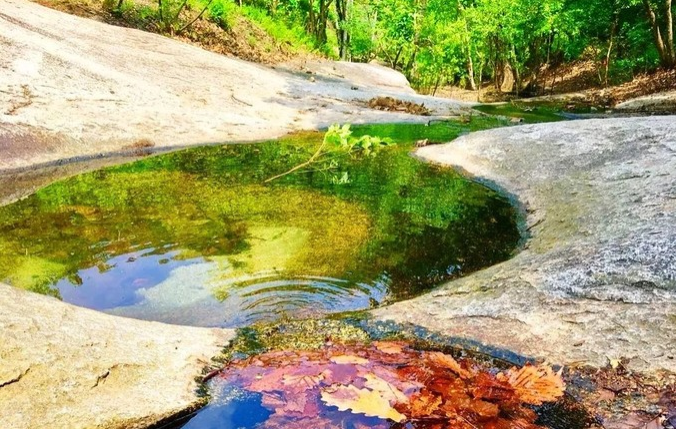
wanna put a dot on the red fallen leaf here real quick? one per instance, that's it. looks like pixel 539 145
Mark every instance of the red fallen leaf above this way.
pixel 408 387
pixel 341 374
pixel 447 386
pixel 419 374
pixel 446 361
pixel 491 389
pixel 269 381
pixel 483 409
pixel 386 381
pixel 456 404
pixel 535 384
pixel 511 424
pixel 423 404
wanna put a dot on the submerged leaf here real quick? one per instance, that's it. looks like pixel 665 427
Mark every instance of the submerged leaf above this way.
pixel 424 404
pixel 349 359
pixel 392 381
pixel 535 384
pixel 447 361
pixel 361 401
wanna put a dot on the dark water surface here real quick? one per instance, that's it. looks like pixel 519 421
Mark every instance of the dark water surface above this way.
pixel 195 237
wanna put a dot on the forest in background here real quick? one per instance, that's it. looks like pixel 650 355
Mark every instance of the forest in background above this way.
pixel 513 44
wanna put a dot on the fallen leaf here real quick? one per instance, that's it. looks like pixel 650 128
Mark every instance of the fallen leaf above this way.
pixel 349 360
pixel 424 404
pixel 535 384
pixel 390 347
pixel 385 389
pixel 360 401
pixel 446 361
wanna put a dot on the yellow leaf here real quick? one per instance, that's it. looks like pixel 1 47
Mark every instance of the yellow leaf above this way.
pixel 361 401
pixel 386 389
pixel 349 360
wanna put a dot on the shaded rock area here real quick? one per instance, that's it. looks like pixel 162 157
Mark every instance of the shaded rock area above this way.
pixel 597 278
pixel 68 367
pixel 660 103
pixel 73 87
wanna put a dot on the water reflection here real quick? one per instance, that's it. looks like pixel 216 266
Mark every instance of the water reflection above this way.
pixel 194 237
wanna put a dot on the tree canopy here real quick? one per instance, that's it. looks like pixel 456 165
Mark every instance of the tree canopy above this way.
pixel 509 42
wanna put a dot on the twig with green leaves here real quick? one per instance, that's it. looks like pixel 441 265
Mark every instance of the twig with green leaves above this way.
pixel 338 140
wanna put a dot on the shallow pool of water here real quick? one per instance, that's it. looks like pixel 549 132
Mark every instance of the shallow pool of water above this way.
pixel 195 237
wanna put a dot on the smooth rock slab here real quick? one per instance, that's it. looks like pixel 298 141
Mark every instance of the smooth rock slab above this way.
pixel 597 279
pixel 67 367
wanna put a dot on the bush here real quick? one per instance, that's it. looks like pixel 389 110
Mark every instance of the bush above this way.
pixel 222 13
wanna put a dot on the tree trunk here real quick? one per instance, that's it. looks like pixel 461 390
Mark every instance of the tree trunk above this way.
pixel 613 29
pixel 342 12
pixel 470 72
pixel 665 57
pixel 478 87
pixel 322 19
pixel 311 23
pixel 396 57
pixel 468 49
pixel 670 33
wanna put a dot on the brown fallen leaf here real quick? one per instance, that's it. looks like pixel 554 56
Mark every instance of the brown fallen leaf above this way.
pixel 535 384
pixel 424 404
pixel 446 361
pixel 390 347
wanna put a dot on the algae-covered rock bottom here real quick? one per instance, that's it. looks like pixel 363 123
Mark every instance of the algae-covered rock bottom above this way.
pixel 196 238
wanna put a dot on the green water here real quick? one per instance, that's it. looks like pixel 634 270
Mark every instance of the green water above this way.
pixel 195 237
pixel 534 112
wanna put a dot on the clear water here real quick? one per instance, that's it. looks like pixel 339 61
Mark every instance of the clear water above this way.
pixel 194 237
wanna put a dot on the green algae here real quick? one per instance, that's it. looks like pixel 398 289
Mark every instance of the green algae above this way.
pixel 534 112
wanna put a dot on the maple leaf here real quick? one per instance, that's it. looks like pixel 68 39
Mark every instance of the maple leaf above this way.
pixel 492 388
pixel 360 401
pixel 483 409
pixel 535 384
pixel 446 361
pixel 303 381
pixel 424 404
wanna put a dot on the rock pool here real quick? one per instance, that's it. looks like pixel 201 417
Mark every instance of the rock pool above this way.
pixel 195 237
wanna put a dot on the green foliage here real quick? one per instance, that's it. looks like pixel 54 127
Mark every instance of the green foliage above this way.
pixel 286 31
pixel 337 141
pixel 222 13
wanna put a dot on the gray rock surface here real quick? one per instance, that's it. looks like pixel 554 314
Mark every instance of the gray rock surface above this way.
pixel 68 367
pixel 662 102
pixel 597 279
